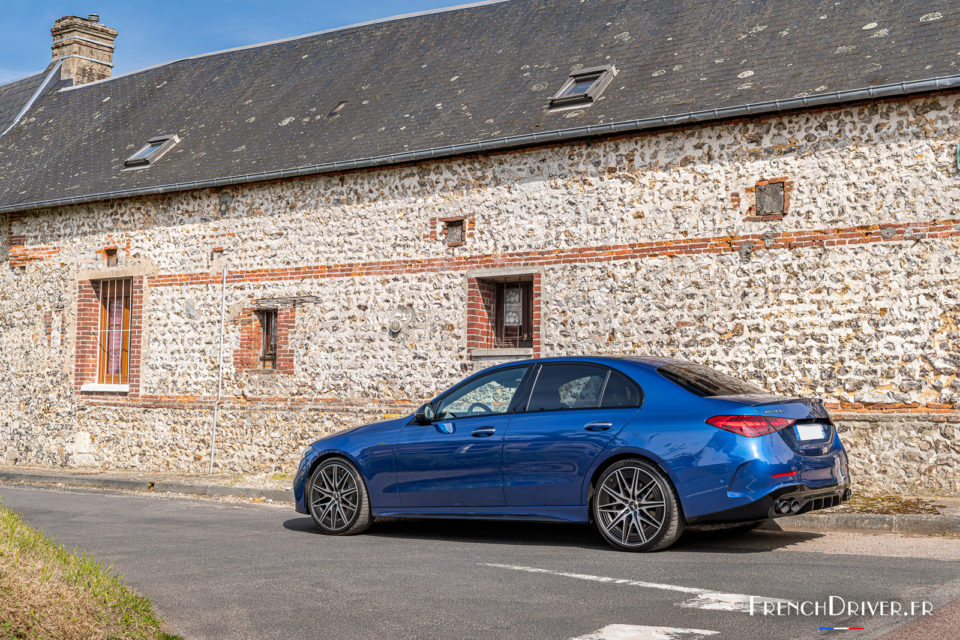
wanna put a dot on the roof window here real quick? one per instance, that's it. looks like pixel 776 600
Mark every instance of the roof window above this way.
pixel 584 86
pixel 151 152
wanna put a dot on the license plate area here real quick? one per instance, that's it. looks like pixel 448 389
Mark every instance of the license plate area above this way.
pixel 809 432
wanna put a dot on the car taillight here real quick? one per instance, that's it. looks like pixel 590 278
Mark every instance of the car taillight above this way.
pixel 750 426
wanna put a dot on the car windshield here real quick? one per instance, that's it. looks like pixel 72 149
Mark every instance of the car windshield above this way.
pixel 706 382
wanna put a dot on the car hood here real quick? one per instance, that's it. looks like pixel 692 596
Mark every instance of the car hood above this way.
pixel 326 441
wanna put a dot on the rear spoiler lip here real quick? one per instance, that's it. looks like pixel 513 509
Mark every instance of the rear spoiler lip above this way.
pixel 754 400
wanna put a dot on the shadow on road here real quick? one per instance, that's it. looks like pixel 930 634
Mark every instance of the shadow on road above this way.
pixel 736 542
pixel 474 531
pixel 559 534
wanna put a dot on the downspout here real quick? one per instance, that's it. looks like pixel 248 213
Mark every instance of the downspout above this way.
pixel 216 406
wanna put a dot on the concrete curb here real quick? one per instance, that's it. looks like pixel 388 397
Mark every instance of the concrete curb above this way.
pixel 158 486
pixel 871 522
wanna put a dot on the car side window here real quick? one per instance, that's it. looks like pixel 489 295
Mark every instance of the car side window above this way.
pixel 621 392
pixel 487 395
pixel 567 386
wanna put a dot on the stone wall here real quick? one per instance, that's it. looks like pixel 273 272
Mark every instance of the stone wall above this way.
pixel 643 244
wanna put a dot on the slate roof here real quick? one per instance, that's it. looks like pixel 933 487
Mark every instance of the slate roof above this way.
pixel 15 95
pixel 479 75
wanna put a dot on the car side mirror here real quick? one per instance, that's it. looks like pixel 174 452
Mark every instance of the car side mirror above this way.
pixel 424 415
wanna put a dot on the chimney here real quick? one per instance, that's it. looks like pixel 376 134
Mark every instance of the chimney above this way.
pixel 85 46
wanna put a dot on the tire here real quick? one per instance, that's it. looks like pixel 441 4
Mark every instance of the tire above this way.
pixel 337 498
pixel 619 511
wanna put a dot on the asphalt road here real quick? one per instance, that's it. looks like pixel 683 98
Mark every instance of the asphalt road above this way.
pixel 228 570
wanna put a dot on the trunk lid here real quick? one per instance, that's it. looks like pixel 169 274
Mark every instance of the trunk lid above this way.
pixel 813 432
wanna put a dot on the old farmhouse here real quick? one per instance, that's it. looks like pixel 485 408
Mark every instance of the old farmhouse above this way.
pixel 362 216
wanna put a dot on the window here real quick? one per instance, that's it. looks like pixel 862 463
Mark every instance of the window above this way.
pixel 113 334
pixel 486 395
pixel 582 386
pixel 503 315
pixel 111 256
pixel 770 198
pixel 151 152
pixel 513 314
pixel 454 230
pixel 706 382
pixel 268 338
pixel 621 392
pixel 567 386
pixel 584 86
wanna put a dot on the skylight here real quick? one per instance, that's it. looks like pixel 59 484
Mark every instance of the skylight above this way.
pixel 151 152
pixel 584 86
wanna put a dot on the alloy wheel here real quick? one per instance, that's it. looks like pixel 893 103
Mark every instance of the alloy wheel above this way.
pixel 334 497
pixel 631 507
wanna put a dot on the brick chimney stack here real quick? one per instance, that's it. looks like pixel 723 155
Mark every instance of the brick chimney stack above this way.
pixel 85 46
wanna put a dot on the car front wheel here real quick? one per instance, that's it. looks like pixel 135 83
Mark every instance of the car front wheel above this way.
pixel 337 498
pixel 635 507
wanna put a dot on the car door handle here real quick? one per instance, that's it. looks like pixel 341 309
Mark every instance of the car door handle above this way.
pixel 597 426
pixel 483 432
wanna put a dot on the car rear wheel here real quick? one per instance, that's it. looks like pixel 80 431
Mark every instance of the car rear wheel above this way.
pixel 635 507
pixel 337 498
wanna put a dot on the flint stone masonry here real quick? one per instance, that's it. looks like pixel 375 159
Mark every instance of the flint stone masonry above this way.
pixel 641 247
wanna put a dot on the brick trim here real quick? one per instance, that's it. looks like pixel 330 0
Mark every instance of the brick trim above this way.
pixel 791 240
pixel 752 211
pixel 481 309
pixel 86 347
pixel 247 356
pixel 468 226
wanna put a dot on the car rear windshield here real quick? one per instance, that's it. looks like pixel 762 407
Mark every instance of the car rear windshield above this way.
pixel 706 382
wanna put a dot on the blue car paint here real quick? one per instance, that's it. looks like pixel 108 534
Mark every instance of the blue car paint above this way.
pixel 548 462
pixel 445 465
pixel 546 458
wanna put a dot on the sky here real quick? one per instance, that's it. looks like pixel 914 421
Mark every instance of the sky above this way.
pixel 156 31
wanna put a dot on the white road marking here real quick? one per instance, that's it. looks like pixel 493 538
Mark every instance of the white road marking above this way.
pixel 702 598
pixel 636 632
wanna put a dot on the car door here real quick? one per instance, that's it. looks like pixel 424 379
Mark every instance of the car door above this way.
pixel 456 461
pixel 574 410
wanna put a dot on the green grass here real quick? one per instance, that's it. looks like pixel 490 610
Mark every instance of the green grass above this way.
pixel 49 593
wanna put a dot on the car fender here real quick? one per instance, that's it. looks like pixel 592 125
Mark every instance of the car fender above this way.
pixel 618 449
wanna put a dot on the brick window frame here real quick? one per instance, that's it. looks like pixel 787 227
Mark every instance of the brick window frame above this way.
pixel 485 330
pixel 249 356
pixel 753 216
pixel 438 229
pixel 87 379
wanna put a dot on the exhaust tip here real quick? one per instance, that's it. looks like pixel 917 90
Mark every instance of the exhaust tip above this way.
pixel 846 494
pixel 782 506
pixel 794 506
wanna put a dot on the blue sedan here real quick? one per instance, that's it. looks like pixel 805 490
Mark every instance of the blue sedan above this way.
pixel 639 446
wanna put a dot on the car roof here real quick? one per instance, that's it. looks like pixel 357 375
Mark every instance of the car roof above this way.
pixel 651 362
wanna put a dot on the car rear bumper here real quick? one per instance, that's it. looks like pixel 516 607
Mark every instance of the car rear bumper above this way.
pixel 796 498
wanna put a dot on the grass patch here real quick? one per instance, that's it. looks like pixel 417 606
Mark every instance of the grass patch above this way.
pixel 49 593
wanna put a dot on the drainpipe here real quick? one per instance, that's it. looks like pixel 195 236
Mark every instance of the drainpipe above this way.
pixel 216 406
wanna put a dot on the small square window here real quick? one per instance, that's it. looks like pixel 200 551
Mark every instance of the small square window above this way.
pixel 111 256
pixel 770 198
pixel 151 152
pixel 584 86
pixel 455 232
